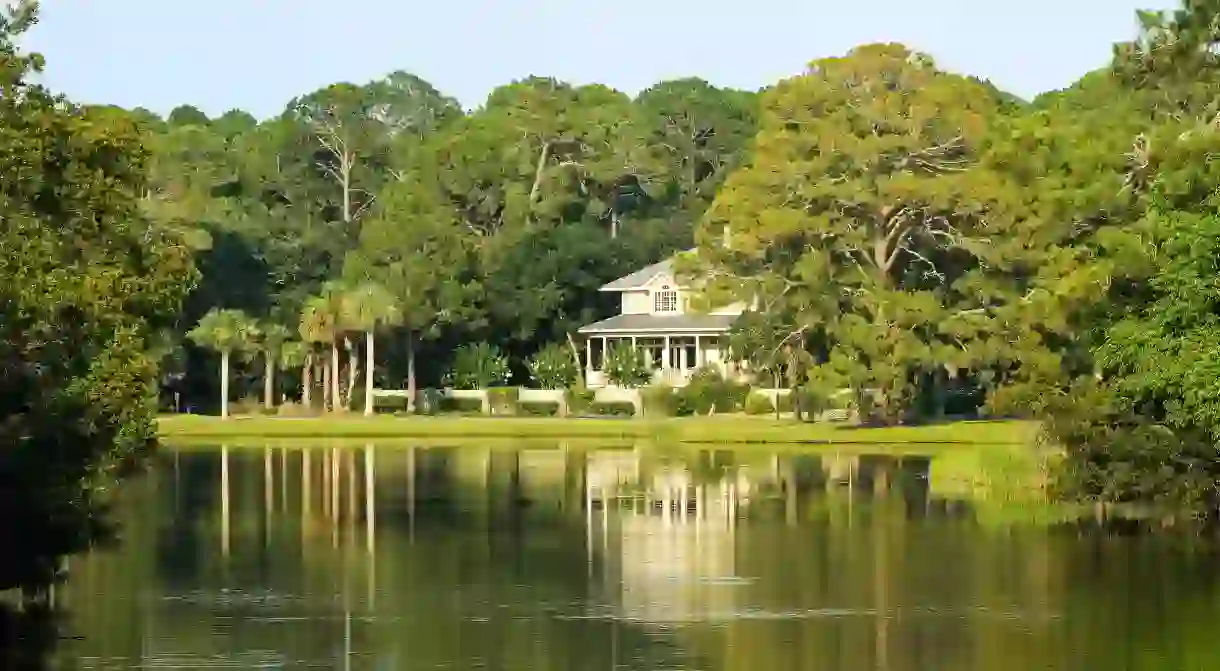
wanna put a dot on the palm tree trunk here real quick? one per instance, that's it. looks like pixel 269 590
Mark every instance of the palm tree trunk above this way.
pixel 307 382
pixel 775 377
pixel 224 384
pixel 325 386
pixel 580 370
pixel 368 374
pixel 798 408
pixel 411 371
pixel 269 381
pixel 334 375
pixel 353 372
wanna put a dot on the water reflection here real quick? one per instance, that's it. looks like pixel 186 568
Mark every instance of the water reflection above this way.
pixel 356 557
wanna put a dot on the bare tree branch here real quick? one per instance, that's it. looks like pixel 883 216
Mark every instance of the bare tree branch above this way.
pixel 364 207
pixel 932 270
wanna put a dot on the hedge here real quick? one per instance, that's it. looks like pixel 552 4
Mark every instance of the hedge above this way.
pixel 461 405
pixel 389 403
pixel 659 401
pixel 579 400
pixel 502 400
pixel 538 408
pixel 612 408
pixel 759 404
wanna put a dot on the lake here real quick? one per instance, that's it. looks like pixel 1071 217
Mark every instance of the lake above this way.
pixel 618 559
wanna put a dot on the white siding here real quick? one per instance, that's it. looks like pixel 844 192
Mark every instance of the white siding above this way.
pixel 662 279
pixel 664 282
pixel 637 302
pixel 641 301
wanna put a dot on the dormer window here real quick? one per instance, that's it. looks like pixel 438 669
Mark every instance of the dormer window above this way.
pixel 665 300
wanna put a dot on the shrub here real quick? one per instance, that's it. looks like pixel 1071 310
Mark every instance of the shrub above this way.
pixel 964 400
pixel 659 401
pixel 625 366
pixel 429 401
pixel 708 389
pixel 357 400
pixel 388 403
pixel 502 400
pixel 539 408
pixel 464 406
pixel 814 401
pixel 579 400
pixel 553 367
pixel 759 404
pixel 612 408
pixel 478 367
pixel 737 394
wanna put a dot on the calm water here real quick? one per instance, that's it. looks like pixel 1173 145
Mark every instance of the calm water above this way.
pixel 552 559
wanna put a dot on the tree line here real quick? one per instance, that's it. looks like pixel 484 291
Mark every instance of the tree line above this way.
pixel 387 207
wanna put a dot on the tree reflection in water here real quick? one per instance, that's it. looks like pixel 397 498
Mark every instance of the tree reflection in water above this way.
pixel 564 558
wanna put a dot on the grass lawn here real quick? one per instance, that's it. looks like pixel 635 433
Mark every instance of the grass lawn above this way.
pixel 704 430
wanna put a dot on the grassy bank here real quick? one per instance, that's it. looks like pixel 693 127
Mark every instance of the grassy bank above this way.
pixel 707 430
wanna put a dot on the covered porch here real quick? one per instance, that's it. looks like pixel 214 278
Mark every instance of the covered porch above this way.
pixel 673 346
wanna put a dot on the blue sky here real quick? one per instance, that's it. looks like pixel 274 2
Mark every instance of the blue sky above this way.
pixel 257 54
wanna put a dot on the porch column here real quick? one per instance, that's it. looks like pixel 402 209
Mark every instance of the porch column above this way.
pixel 665 358
pixel 604 349
pixel 634 347
pixel 588 356
pixel 698 353
pixel 683 364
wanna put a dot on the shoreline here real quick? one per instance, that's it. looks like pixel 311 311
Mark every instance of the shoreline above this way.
pixel 721 430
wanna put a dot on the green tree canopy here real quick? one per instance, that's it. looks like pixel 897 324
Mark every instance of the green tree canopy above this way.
pixel 85 282
pixel 866 217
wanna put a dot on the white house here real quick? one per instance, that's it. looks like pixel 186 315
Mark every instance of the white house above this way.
pixel 655 318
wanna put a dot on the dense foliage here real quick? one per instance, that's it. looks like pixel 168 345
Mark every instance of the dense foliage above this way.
pixel 1146 427
pixel 495 225
pixel 554 367
pixel 905 230
pixel 86 281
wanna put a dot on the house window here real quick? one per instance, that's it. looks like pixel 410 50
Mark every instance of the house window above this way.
pixel 664 301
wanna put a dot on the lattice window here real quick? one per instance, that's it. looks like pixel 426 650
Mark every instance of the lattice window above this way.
pixel 664 301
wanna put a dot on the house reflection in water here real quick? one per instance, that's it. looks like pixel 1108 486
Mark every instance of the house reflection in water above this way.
pixel 666 529
pixel 671 536
pixel 660 529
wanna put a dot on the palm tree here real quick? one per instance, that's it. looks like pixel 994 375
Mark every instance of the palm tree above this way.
pixel 319 326
pixel 224 331
pixel 369 306
pixel 334 301
pixel 299 354
pixel 271 346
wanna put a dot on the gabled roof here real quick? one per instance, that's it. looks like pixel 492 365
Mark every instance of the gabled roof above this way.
pixel 642 324
pixel 640 278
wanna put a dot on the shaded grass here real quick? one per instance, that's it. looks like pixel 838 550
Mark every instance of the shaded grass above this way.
pixel 723 430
